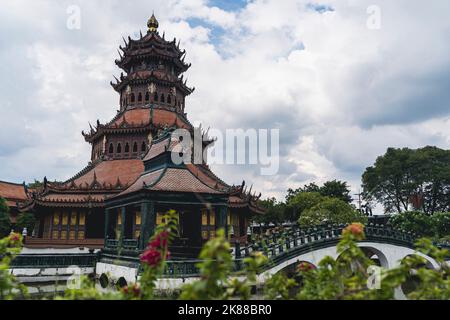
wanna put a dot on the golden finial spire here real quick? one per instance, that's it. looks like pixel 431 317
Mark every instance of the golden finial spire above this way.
pixel 152 23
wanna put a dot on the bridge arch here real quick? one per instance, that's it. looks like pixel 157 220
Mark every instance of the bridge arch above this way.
pixel 390 256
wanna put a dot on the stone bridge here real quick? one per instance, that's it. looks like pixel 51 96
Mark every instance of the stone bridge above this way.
pixel 284 249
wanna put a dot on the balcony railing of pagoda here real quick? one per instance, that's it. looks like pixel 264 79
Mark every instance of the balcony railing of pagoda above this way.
pixel 54 260
pixel 112 243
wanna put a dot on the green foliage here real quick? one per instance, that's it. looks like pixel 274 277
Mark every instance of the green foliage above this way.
pixel 433 284
pixel 217 280
pixel 330 210
pixel 436 226
pixel 9 287
pixel 25 220
pixel 334 189
pixel 275 212
pixel 277 287
pixel 402 174
pixel 5 221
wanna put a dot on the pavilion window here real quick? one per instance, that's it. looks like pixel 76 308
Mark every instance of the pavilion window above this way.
pixel 147 97
pixel 133 98
pixel 208 224
pixel 119 148
pixel 135 147
pixel 127 148
pixel 140 97
pixel 162 98
pixel 137 224
pixel 143 147
pixel 169 99
pixel 155 97
pixel 111 148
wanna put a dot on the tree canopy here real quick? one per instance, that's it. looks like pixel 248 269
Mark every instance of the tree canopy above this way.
pixel 406 178
pixel 5 221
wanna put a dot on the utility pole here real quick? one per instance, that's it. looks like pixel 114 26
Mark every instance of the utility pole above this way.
pixel 359 194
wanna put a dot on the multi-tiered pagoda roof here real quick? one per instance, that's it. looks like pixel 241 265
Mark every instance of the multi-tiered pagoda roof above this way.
pixel 152 92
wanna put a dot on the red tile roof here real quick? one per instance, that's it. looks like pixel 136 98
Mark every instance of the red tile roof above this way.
pixel 141 117
pixel 171 180
pixel 12 193
pixel 107 172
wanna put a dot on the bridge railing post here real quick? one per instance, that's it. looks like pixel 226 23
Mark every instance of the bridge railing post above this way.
pixel 237 249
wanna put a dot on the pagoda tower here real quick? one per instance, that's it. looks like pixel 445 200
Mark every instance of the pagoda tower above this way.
pixel 152 95
pixel 130 166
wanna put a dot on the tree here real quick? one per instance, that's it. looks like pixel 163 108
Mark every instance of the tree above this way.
pixel 402 177
pixel 275 212
pixel 26 220
pixel 301 202
pixel 336 189
pixel 330 210
pixel 5 221
pixel 436 226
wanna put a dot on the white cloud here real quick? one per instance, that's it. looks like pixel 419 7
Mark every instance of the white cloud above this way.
pixel 339 92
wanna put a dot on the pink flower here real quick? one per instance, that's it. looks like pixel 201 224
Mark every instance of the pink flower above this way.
pixel 160 240
pixel 305 267
pixel 14 237
pixel 151 257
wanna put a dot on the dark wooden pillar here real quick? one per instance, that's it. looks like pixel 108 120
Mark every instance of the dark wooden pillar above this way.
pixel 123 213
pixel 148 222
pixel 221 219
pixel 107 228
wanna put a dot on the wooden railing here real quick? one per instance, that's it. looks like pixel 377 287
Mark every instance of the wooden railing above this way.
pixel 50 243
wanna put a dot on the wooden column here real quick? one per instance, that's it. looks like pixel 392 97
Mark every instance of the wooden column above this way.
pixel 107 214
pixel 123 213
pixel 221 219
pixel 148 223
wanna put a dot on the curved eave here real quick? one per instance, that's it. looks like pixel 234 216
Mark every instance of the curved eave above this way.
pixel 118 87
pixel 129 129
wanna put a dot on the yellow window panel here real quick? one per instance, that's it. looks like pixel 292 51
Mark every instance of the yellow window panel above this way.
pixel 205 235
pixel 204 217
pixel 137 234
pixel 72 235
pixel 82 219
pixel 119 218
pixel 138 218
pixel 55 235
pixel 212 218
pixel 212 234
pixel 73 218
pixel 65 219
pixel 56 219
pixel 64 235
pixel 80 235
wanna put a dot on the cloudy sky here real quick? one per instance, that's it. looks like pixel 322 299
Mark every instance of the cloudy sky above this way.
pixel 341 79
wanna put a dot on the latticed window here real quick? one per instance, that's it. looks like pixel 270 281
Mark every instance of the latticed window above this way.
pixel 208 224
pixel 68 225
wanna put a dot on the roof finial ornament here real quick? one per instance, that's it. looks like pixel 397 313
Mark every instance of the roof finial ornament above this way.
pixel 152 23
